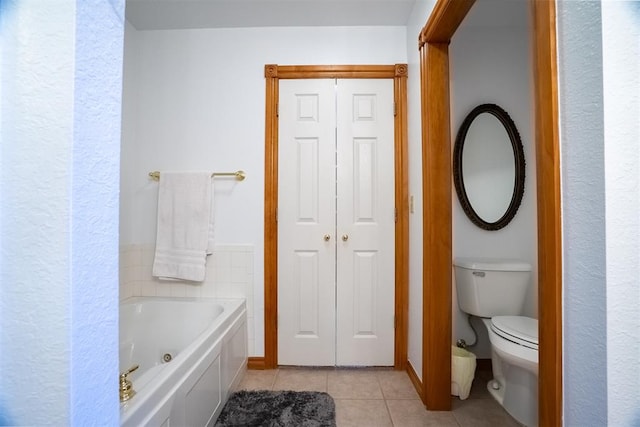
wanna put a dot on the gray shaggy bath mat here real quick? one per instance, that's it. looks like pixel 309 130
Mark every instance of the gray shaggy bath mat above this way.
pixel 278 409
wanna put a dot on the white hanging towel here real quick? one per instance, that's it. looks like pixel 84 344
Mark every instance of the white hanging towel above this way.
pixel 184 218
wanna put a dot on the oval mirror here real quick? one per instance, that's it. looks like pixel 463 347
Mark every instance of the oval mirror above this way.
pixel 488 167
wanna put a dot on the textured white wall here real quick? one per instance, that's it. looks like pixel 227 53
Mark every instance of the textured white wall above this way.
pixel 419 15
pixel 583 213
pixel 194 100
pixel 493 65
pixel 37 130
pixel 621 75
pixel 60 114
pixel 95 168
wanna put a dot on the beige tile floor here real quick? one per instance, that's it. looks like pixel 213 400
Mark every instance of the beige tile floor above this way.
pixel 382 397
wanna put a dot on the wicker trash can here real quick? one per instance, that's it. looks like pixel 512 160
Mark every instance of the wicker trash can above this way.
pixel 463 369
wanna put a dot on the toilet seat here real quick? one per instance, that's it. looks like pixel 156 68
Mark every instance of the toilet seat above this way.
pixel 517 329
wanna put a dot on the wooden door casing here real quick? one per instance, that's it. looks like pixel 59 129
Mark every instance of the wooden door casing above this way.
pixel 273 74
pixel 434 60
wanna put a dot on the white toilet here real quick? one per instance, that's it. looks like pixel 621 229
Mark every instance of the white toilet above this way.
pixel 495 290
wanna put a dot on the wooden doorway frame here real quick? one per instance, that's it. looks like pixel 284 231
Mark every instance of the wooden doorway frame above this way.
pixel 273 73
pixel 436 146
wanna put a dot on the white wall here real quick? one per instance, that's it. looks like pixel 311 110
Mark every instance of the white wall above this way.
pixel 493 65
pixel 59 126
pixel 600 129
pixel 583 212
pixel 194 100
pixel 621 75
pixel 419 15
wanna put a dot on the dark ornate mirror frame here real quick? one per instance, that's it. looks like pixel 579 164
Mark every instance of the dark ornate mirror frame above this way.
pixel 518 154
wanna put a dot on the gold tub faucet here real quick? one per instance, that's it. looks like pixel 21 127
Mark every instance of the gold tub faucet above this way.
pixel 126 388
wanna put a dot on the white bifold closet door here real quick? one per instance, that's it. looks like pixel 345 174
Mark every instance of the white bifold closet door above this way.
pixel 336 222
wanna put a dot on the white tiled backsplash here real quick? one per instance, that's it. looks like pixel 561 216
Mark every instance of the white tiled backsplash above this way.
pixel 229 275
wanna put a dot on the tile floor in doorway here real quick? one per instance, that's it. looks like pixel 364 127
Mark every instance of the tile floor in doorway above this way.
pixel 383 397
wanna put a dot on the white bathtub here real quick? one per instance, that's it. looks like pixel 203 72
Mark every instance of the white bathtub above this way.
pixel 206 340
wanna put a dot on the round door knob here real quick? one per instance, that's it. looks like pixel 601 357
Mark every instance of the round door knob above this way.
pixel 326 237
pixel 345 237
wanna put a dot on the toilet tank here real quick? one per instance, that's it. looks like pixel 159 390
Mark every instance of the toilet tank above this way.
pixel 491 287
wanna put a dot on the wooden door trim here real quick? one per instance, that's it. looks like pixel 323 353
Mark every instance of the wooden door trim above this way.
pixel 549 213
pixel 437 203
pixel 436 142
pixel 437 241
pixel 273 73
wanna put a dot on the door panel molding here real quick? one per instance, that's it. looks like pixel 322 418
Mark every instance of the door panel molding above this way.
pixel 273 73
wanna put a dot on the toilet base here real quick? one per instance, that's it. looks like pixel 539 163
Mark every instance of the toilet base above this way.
pixel 496 390
pixel 521 400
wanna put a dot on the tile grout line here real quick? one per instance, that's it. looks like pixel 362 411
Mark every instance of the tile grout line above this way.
pixel 386 405
pixel 384 397
pixel 275 377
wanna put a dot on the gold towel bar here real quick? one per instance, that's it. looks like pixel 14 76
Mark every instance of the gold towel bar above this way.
pixel 239 175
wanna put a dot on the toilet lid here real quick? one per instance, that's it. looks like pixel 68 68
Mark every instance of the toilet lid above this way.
pixel 519 329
